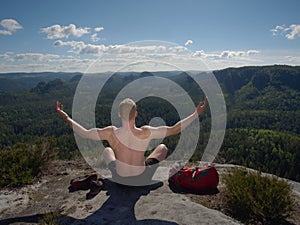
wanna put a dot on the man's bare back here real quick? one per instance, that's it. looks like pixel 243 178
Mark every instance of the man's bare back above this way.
pixel 129 146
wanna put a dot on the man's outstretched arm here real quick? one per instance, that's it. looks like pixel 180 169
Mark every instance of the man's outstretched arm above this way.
pixel 94 133
pixel 165 131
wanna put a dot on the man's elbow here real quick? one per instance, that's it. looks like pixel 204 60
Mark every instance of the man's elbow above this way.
pixel 82 134
pixel 92 134
pixel 86 134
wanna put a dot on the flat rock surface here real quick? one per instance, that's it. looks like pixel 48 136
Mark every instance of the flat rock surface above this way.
pixel 153 204
pixel 49 198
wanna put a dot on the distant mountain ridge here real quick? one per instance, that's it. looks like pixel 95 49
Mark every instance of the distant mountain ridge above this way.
pixel 231 79
pixel 260 76
pixel 18 82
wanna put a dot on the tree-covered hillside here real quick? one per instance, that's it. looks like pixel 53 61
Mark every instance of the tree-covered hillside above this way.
pixel 263 116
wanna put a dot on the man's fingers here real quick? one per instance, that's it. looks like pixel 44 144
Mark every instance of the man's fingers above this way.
pixel 59 106
pixel 205 102
pixel 202 105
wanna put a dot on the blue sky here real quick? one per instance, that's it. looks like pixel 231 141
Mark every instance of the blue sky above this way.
pixel 68 35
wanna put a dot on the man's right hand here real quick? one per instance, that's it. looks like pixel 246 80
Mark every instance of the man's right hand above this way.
pixel 59 109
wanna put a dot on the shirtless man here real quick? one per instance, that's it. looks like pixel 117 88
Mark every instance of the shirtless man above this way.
pixel 128 143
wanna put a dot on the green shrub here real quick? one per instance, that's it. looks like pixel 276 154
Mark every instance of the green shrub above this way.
pixel 254 198
pixel 51 218
pixel 20 164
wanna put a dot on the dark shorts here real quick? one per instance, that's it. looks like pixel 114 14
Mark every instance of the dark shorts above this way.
pixel 151 161
pixel 139 180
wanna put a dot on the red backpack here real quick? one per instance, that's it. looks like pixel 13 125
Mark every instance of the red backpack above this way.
pixel 195 180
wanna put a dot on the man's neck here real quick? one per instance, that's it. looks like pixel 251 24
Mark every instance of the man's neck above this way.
pixel 128 124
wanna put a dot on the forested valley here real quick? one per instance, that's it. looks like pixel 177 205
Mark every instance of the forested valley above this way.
pixel 263 118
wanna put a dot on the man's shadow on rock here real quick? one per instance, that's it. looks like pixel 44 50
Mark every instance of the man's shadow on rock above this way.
pixel 119 207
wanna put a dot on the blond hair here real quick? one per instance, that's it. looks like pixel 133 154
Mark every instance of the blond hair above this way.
pixel 127 109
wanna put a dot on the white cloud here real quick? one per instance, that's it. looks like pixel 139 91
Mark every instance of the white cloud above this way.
pixel 39 62
pixel 252 52
pixel 226 54
pixel 81 47
pixel 10 26
pixel 5 32
pixel 188 42
pixel 231 54
pixel 114 57
pixel 202 53
pixel 36 57
pixel 293 60
pixel 92 49
pixel 279 29
pixel 177 49
pixel 58 32
pixel 290 32
pixel 98 29
pixel 294 31
pixel 95 38
pixel 177 55
pixel 119 56
pixel 6 56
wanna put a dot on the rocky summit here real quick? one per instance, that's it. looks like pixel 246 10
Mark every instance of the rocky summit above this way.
pixel 49 198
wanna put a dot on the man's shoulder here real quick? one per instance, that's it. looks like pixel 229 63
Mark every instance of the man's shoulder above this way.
pixel 108 128
pixel 146 130
pixel 105 133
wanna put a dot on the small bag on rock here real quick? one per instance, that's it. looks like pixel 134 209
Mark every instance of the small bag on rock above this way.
pixel 197 180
